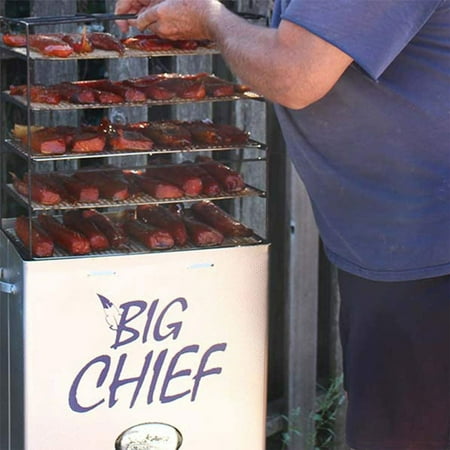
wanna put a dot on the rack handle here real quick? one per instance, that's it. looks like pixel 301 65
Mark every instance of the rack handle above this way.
pixel 7 288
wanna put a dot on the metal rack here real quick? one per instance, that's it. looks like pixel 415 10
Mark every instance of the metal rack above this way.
pixel 16 147
pixel 132 246
pixel 13 146
pixel 66 106
pixel 140 199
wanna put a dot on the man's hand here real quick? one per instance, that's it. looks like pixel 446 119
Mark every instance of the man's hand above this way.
pixel 289 65
pixel 179 19
pixel 129 7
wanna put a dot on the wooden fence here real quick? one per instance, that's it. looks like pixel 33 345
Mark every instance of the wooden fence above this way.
pixel 303 345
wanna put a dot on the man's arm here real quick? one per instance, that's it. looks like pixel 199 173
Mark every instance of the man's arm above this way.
pixel 288 65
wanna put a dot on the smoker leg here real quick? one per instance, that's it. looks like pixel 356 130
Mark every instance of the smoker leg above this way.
pixel 4 379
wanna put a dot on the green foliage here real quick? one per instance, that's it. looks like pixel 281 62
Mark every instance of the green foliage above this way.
pixel 291 426
pixel 328 402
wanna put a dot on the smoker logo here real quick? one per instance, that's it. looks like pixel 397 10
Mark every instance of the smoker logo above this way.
pixel 150 436
pixel 148 361
pixel 112 314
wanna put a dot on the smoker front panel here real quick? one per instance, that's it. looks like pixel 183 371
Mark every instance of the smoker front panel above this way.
pixel 189 348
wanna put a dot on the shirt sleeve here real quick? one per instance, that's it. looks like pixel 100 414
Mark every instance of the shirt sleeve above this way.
pixel 372 32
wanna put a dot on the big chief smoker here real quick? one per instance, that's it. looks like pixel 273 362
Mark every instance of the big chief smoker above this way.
pixel 129 347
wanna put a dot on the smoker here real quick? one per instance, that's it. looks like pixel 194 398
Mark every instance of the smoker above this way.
pixel 97 345
pixel 128 348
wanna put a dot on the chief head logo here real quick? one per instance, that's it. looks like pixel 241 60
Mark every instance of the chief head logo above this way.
pixel 112 313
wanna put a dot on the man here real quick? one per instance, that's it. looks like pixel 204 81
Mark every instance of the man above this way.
pixel 362 92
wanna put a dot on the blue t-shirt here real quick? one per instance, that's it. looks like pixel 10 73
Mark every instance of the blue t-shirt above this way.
pixel 374 153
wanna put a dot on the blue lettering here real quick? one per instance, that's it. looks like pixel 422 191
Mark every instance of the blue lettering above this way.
pixel 117 382
pixel 124 319
pixel 174 327
pixel 201 368
pixel 150 314
pixel 152 370
pixel 156 371
pixel 170 375
pixel 105 360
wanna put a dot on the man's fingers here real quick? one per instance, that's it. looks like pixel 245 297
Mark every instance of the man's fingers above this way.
pixel 122 25
pixel 146 18
pixel 132 23
pixel 123 7
pixel 131 7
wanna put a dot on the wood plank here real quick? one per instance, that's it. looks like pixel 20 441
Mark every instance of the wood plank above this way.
pixel 190 65
pixel 301 313
pixel 191 111
pixel 121 69
pixel 251 116
pixel 11 71
pixel 50 72
pixel 275 422
pixel 277 229
pixel 329 364
pixel 335 352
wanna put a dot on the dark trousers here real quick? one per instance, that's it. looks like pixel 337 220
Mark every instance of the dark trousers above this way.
pixel 396 348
